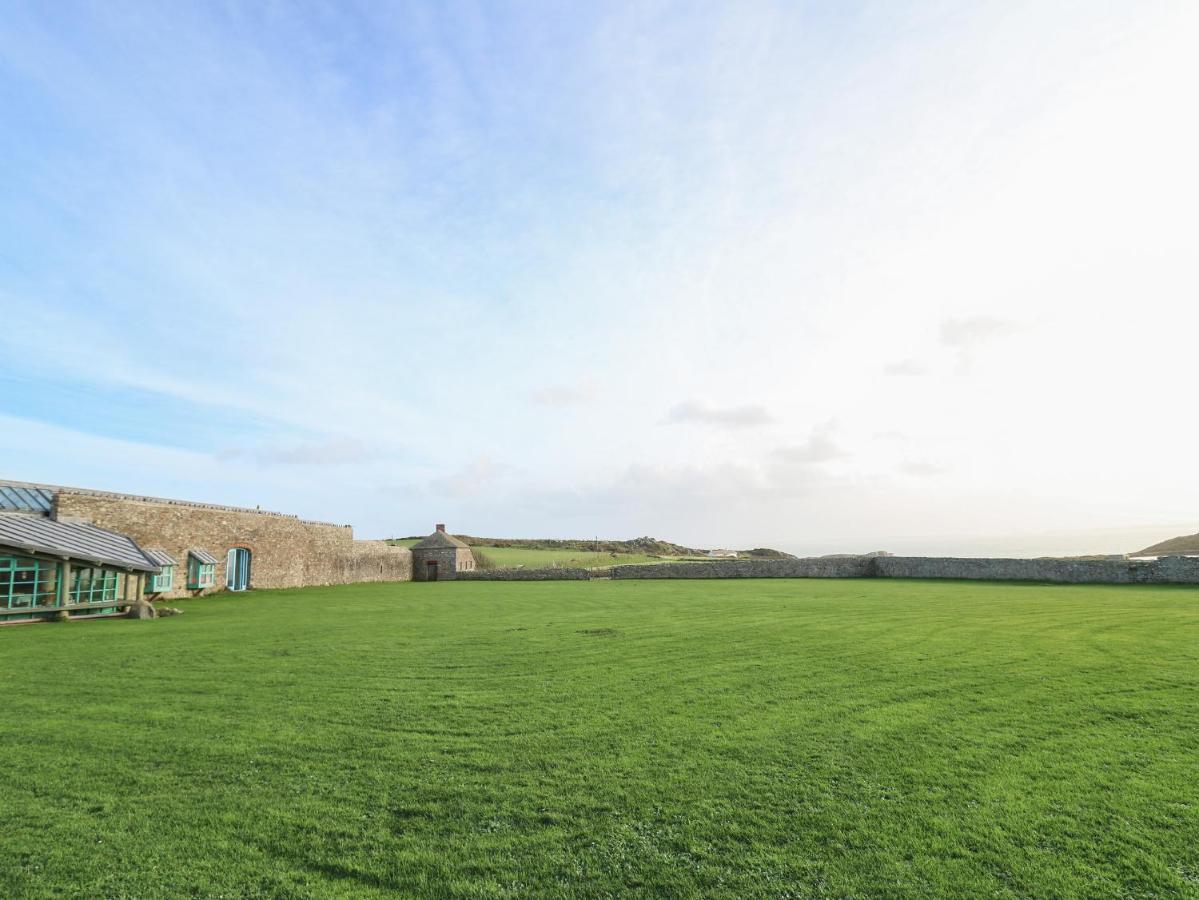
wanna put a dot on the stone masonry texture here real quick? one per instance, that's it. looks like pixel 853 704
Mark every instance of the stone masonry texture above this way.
pixel 562 574
pixel 452 562
pixel 285 551
pixel 1168 570
pixel 847 567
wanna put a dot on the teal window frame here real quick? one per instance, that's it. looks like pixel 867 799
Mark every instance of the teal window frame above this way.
pixel 200 575
pixel 161 581
pixel 27 583
pixel 94 585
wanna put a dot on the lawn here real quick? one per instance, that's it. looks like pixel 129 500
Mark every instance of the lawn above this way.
pixel 518 557
pixel 535 558
pixel 736 738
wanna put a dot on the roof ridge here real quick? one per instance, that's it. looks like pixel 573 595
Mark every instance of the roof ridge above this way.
pixel 146 498
pixel 72 540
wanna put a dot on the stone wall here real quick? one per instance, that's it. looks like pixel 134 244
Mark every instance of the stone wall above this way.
pixel 1169 570
pixel 285 551
pixel 840 567
pixel 525 575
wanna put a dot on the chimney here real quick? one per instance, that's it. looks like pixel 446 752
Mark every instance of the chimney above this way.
pixel 441 528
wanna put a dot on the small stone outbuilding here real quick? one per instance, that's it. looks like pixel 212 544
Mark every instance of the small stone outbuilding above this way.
pixel 440 557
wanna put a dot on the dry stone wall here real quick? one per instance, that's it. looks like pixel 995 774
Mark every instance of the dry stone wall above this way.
pixel 285 551
pixel 1169 570
pixel 525 575
pixel 840 567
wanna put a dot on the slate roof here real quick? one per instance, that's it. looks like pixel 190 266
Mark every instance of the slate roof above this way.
pixel 34 497
pixel 75 541
pixel 439 540
pixel 202 555
pixel 160 557
pixel 25 498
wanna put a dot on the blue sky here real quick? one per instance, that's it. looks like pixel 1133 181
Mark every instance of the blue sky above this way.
pixel 821 276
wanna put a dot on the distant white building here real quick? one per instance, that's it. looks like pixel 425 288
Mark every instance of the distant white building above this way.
pixel 722 554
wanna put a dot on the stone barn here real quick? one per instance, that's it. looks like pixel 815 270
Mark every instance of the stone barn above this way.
pixel 440 557
pixel 170 548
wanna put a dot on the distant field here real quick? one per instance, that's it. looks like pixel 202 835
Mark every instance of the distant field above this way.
pixel 677 738
pixel 512 557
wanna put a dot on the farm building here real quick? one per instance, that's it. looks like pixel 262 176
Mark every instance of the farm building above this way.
pixel 58 544
pixel 440 557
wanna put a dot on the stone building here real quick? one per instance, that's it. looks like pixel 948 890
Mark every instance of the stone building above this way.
pixel 48 568
pixel 440 557
pixel 190 549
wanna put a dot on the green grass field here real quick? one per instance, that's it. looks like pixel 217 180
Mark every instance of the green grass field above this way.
pixel 533 558
pixel 735 739
pixel 517 557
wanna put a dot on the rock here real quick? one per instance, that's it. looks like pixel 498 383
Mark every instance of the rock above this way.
pixel 142 610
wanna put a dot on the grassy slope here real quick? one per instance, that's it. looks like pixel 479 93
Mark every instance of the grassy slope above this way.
pixel 513 557
pixel 1188 544
pixel 724 738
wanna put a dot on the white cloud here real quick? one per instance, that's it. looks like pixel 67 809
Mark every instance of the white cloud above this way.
pixel 773 211
pixel 921 469
pixel 905 367
pixel 970 331
pixel 337 452
pixel 695 413
pixel 820 447
pixel 561 396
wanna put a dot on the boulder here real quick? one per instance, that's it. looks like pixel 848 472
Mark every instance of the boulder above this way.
pixel 142 610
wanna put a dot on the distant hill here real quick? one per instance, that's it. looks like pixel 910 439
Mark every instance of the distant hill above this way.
pixel 1187 545
pixel 644 545
pixel 870 555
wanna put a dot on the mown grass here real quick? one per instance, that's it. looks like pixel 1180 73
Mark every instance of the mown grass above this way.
pixel 751 738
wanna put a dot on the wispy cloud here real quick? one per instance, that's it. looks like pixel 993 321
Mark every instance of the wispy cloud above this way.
pixel 922 469
pixel 971 331
pixel 820 447
pixel 969 335
pixel 694 413
pixel 481 474
pixel 345 451
pixel 907 367
pixel 391 248
pixel 561 396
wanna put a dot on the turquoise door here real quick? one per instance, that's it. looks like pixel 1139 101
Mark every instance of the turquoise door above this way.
pixel 237 569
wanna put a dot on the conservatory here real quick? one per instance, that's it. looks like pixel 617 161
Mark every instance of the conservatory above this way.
pixel 48 567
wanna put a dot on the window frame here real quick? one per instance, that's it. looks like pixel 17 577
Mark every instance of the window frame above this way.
pixel 200 575
pixel 43 584
pixel 162 581
pixel 101 585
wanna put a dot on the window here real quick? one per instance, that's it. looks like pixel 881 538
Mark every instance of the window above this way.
pixel 201 570
pixel 161 582
pixel 94 585
pixel 27 583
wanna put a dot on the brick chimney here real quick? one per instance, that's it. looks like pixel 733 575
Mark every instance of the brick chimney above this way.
pixel 441 528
